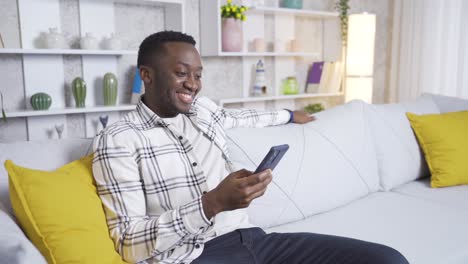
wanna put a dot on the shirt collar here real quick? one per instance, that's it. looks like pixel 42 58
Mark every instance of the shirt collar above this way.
pixel 150 118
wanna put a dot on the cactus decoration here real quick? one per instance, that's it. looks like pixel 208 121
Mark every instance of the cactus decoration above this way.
pixel 110 89
pixel 41 101
pixel 79 91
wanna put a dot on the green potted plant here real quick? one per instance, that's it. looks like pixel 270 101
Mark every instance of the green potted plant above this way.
pixel 231 33
pixel 314 108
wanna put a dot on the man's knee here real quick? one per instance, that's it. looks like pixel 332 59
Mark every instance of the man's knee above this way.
pixel 388 255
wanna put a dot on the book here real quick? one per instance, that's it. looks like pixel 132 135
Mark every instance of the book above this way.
pixel 136 89
pixel 314 76
pixel 336 77
pixel 326 75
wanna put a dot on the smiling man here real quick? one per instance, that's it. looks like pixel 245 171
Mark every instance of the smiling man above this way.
pixel 165 179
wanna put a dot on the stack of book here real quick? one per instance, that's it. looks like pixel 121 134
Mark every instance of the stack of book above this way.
pixel 325 77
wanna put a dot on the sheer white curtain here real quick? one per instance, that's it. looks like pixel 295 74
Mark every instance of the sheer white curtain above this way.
pixel 429 49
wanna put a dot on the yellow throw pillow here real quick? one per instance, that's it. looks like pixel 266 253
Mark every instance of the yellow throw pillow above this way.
pixel 444 141
pixel 61 213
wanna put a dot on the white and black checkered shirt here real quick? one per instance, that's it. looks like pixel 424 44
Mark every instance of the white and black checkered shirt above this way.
pixel 150 181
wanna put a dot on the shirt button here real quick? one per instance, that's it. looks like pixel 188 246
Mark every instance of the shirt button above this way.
pixel 180 138
pixel 204 192
pixel 194 164
pixel 197 246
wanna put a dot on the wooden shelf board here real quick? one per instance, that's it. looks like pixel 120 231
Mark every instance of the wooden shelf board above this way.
pixel 278 97
pixel 71 110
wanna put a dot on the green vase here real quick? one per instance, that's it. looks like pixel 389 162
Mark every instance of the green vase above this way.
pixel 79 91
pixel 110 89
pixel 41 101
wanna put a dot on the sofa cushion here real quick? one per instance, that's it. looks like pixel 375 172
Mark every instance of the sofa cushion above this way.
pixel 454 197
pixel 61 213
pixel 330 162
pixel 14 245
pixel 43 155
pixel 448 103
pixel 444 140
pixel 399 157
pixel 423 231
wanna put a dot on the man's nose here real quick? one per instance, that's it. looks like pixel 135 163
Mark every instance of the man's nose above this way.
pixel 191 83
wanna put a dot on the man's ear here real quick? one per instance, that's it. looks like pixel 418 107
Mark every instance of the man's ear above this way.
pixel 146 74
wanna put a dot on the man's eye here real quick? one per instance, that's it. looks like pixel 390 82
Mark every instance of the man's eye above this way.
pixel 198 76
pixel 181 74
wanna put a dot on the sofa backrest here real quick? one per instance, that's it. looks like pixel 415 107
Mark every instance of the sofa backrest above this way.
pixel 42 155
pixel 399 156
pixel 448 103
pixel 330 163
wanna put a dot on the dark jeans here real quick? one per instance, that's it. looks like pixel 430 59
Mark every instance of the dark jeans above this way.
pixel 253 245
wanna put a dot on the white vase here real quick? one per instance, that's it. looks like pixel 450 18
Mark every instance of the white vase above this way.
pixel 89 42
pixel 53 39
pixel 111 42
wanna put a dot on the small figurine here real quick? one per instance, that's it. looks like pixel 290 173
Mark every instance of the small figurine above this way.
pixel 59 129
pixel 260 80
pixel 104 120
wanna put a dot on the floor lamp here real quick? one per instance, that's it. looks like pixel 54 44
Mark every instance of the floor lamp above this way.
pixel 360 57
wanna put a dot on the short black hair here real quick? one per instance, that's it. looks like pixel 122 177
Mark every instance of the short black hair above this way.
pixel 153 44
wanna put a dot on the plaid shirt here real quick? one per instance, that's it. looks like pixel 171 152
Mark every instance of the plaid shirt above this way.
pixel 150 181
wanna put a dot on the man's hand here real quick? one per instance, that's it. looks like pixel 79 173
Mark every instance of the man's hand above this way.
pixel 236 191
pixel 301 117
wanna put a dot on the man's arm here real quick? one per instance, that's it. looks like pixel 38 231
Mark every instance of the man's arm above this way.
pixel 136 235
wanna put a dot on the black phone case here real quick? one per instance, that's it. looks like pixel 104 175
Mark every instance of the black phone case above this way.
pixel 273 157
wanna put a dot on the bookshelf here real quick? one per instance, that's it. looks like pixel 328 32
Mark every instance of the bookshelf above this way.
pixel 316 32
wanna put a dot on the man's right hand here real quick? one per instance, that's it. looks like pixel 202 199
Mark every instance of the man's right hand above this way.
pixel 236 191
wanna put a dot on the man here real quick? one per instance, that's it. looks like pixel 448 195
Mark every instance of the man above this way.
pixel 164 176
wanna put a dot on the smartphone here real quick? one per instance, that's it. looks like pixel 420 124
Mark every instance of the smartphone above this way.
pixel 272 158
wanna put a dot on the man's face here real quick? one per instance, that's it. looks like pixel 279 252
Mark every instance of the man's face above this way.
pixel 175 80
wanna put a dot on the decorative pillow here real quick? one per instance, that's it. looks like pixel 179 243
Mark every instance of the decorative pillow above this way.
pixel 444 140
pixel 61 213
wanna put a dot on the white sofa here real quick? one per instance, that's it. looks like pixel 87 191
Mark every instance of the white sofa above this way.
pixel 357 172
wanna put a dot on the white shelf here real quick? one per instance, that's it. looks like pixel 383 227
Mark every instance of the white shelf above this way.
pixel 296 12
pixel 74 110
pixel 68 52
pixel 268 54
pixel 274 98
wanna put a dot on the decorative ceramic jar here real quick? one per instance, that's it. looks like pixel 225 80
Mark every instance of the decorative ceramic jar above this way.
pixel 53 39
pixel 110 89
pixel 89 41
pixel 296 4
pixel 290 85
pixel 231 34
pixel 40 101
pixel 79 91
pixel 111 42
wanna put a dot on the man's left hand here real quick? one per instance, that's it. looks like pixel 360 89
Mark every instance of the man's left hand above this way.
pixel 301 117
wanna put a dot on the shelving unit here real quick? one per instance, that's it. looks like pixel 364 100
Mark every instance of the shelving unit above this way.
pixel 316 32
pixel 68 52
pixel 43 69
pixel 223 102
pixel 289 11
pixel 70 110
